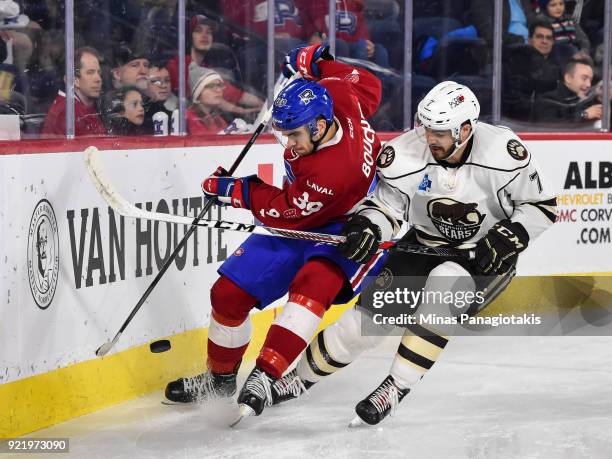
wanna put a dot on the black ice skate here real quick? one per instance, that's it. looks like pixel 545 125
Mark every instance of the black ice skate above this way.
pixel 289 387
pixel 255 395
pixel 201 388
pixel 380 403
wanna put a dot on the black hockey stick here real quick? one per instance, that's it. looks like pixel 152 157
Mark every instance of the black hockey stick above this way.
pixel 90 153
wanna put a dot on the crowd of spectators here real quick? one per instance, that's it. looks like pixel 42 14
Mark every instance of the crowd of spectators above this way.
pixel 126 61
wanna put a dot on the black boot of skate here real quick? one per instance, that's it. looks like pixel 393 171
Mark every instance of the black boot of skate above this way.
pixel 201 388
pixel 256 393
pixel 380 403
pixel 289 387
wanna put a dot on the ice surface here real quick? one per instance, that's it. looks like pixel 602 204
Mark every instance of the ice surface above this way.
pixel 487 397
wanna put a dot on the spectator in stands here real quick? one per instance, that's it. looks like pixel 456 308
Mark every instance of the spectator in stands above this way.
pixel 516 15
pixel 131 68
pixel 124 112
pixel 251 18
pixel 201 30
pixel 383 19
pixel 352 34
pixel 566 30
pixel 159 96
pixel 47 74
pixel 159 89
pixel 13 25
pixel 572 100
pixel 206 115
pixel 529 71
pixel 87 90
pixel 249 21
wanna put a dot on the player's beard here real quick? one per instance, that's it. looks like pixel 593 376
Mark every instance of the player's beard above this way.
pixel 440 153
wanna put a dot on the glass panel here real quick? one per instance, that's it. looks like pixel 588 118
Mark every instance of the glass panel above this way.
pixel 380 48
pixel 134 43
pixel 550 82
pixel 31 60
pixel 143 37
pixel 453 40
pixel 239 56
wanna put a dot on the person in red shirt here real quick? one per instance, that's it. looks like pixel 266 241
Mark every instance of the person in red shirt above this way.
pixel 203 52
pixel 352 34
pixel 205 115
pixel 87 90
pixel 330 154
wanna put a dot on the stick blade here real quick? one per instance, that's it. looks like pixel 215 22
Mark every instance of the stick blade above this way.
pixel 103 350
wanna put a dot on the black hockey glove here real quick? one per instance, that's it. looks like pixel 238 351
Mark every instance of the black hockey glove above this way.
pixel 362 239
pixel 497 252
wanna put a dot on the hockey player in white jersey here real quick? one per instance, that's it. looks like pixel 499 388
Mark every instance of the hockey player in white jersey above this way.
pixel 458 183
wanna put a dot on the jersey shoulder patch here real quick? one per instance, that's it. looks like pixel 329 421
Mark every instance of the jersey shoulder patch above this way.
pixel 498 148
pixel 402 156
pixel 517 150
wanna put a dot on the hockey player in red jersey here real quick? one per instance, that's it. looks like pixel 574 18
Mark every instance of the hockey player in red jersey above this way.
pixel 330 160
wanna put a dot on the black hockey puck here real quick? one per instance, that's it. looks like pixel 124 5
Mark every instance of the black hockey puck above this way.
pixel 162 345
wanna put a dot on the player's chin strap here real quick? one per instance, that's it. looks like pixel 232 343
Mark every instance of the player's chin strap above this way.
pixel 327 128
pixel 458 146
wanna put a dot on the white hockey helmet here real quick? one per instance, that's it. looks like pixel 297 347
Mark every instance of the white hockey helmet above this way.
pixel 447 107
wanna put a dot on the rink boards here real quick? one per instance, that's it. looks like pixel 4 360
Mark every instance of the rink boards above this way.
pixel 72 269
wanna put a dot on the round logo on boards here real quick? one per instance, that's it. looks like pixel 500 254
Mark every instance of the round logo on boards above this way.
pixel 43 254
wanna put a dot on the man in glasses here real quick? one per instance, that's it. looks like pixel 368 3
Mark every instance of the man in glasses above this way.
pixel 161 101
pixel 530 71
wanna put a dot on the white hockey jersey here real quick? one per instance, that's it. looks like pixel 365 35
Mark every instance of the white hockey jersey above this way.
pixel 456 206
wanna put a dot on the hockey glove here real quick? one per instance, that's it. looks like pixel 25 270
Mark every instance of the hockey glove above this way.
pixel 229 190
pixel 304 60
pixel 362 239
pixel 497 252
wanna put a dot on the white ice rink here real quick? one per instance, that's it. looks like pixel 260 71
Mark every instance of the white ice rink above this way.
pixel 487 397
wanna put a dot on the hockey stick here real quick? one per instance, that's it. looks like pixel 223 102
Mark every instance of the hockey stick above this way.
pixel 90 156
pixel 120 205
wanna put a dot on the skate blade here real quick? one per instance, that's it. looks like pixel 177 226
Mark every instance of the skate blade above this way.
pixel 171 403
pixel 357 422
pixel 244 411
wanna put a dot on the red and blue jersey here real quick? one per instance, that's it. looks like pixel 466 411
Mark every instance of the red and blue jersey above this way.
pixel 325 186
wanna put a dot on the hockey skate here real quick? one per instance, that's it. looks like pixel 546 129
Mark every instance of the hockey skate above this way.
pixel 255 395
pixel 201 388
pixel 289 387
pixel 380 403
